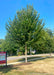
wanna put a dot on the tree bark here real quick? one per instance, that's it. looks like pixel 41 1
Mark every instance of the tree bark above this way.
pixel 25 52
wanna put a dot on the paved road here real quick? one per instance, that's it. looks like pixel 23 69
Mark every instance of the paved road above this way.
pixel 20 57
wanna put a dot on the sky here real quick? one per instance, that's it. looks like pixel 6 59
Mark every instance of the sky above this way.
pixel 8 9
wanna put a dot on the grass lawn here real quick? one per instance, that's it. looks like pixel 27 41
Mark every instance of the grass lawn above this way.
pixel 38 67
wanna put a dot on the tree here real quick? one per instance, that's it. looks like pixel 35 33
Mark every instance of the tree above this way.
pixel 9 45
pixel 1 42
pixel 26 27
pixel 49 31
pixel 46 43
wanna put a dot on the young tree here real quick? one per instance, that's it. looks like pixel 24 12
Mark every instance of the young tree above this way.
pixel 26 27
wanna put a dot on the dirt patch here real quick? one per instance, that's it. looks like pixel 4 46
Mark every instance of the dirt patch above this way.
pixel 24 64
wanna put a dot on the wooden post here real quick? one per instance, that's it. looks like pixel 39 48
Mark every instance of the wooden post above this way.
pixel 6 58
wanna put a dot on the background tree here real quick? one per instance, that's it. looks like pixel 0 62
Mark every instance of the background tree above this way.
pixel 1 42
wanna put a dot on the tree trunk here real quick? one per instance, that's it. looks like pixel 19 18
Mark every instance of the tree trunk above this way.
pixel 25 52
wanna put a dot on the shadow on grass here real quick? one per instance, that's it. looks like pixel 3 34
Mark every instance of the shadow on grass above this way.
pixel 5 69
pixel 8 68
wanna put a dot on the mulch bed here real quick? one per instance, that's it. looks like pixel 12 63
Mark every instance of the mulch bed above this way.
pixel 11 66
